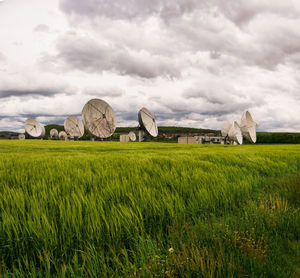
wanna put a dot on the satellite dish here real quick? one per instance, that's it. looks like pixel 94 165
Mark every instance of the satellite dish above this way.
pixel 62 135
pixel 235 133
pixel 132 136
pixel 74 127
pixel 99 118
pixel 43 131
pixel 248 127
pixel 53 133
pixel 225 128
pixel 147 122
pixel 34 128
pixel 21 136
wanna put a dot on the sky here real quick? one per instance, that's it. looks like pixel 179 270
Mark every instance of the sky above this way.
pixel 190 62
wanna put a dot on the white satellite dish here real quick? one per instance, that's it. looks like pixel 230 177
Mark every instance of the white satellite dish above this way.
pixel 147 122
pixel 225 128
pixel 235 133
pixel 62 135
pixel 53 133
pixel 74 127
pixel 34 128
pixel 99 118
pixel 43 131
pixel 132 136
pixel 21 136
pixel 248 127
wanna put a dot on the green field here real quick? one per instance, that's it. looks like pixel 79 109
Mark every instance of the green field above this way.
pixel 109 209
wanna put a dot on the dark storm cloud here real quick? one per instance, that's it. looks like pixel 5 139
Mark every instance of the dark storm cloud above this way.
pixel 210 96
pixel 265 38
pixel 90 56
pixel 270 124
pixel 127 116
pixel 210 110
pixel 214 101
pixel 243 11
pixel 35 115
pixel 240 12
pixel 41 28
pixel 119 9
pixel 11 123
pixel 25 93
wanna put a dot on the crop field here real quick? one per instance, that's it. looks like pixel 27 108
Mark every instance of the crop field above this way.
pixel 110 209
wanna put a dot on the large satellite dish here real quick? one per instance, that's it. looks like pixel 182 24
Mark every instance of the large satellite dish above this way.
pixel 53 133
pixel 225 128
pixel 74 127
pixel 99 118
pixel 248 127
pixel 34 128
pixel 235 133
pixel 147 122
pixel 132 136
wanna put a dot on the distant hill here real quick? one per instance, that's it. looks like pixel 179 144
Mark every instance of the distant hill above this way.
pixel 49 127
pixel 8 133
pixel 278 138
pixel 175 129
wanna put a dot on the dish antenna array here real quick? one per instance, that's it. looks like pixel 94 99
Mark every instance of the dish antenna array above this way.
pixel 235 132
pixel 99 118
pixel 147 124
pixel 74 127
pixel 34 128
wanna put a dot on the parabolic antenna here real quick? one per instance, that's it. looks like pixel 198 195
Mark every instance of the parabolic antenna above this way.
pixel 43 131
pixel 132 136
pixel 225 128
pixel 74 127
pixel 21 136
pixel 235 133
pixel 62 135
pixel 53 133
pixel 147 122
pixel 34 128
pixel 248 127
pixel 99 118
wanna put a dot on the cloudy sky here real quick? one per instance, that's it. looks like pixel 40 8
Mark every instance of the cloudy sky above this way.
pixel 191 62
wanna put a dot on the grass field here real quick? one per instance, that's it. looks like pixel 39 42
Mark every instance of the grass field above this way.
pixel 104 209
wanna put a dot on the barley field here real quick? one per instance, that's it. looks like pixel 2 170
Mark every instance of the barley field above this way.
pixel 110 209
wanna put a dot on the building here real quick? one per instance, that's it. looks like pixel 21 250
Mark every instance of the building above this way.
pixel 124 138
pixel 201 140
